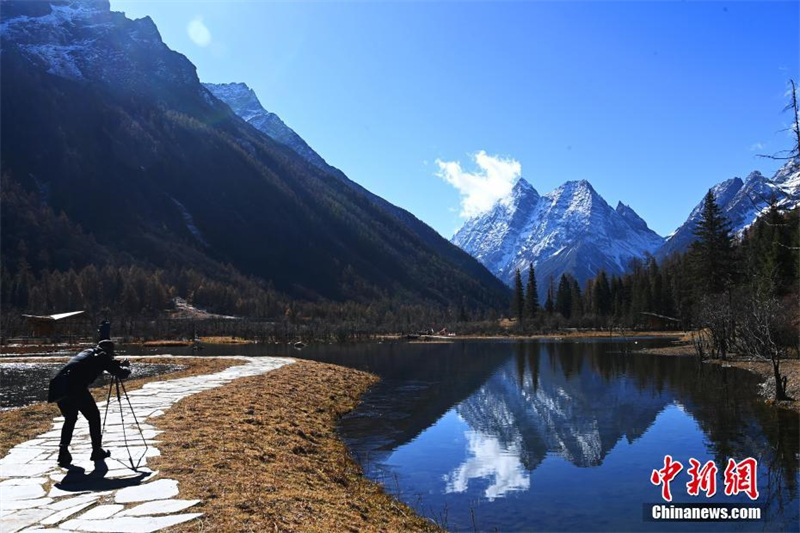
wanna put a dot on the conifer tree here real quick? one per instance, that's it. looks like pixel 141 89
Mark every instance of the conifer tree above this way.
pixel 549 305
pixel 576 299
pixel 712 253
pixel 601 295
pixel 518 302
pixel 564 297
pixel 531 295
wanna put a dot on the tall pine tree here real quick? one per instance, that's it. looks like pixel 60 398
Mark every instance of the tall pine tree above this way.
pixel 518 301
pixel 712 254
pixel 564 297
pixel 549 305
pixel 601 295
pixel 531 295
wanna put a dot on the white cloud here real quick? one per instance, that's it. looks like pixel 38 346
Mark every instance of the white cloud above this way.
pixel 198 32
pixel 493 179
pixel 498 463
pixel 756 146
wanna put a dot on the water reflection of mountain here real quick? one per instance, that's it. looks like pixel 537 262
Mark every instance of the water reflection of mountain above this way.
pixel 522 401
pixel 546 399
pixel 420 383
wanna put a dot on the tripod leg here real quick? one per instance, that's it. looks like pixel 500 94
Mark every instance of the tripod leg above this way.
pixel 139 427
pixel 122 418
pixel 108 398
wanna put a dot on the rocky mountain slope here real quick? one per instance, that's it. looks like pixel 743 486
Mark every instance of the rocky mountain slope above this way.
pixel 244 102
pixel 107 125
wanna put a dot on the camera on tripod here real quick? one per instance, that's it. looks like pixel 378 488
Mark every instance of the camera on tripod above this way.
pixel 118 386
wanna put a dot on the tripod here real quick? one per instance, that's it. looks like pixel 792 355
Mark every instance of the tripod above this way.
pixel 119 386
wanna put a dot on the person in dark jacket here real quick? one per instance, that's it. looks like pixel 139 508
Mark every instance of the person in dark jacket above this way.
pixel 70 390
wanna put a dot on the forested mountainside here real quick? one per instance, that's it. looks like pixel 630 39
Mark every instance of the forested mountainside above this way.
pixel 113 153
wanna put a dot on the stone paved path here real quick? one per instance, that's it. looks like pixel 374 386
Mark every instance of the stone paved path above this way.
pixel 37 495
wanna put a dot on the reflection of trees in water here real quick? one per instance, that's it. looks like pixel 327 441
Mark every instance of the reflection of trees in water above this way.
pixel 577 399
pixel 723 401
pixel 738 425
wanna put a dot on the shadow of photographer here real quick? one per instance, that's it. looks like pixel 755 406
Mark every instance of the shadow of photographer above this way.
pixel 78 480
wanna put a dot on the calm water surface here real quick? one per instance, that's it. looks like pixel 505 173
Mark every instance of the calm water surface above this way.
pixel 556 436
pixel 560 436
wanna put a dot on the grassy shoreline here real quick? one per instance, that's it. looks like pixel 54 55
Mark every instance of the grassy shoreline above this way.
pixel 262 453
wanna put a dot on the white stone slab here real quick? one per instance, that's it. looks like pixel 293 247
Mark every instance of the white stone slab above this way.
pixel 10 493
pixel 21 519
pixel 48 530
pixel 159 507
pixel 55 492
pixel 157 490
pixel 66 513
pixel 26 470
pixel 23 481
pixel 129 524
pixel 18 455
pixel 16 505
pixel 68 503
pixel 101 512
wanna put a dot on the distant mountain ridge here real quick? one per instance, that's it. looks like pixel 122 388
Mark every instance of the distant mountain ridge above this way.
pixel 244 102
pixel 742 202
pixel 569 230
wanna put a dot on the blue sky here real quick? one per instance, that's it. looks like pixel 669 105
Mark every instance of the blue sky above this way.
pixel 652 102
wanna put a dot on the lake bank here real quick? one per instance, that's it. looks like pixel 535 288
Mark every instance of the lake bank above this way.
pixel 263 454
pixel 17 350
pixel 420 384
pixel 788 367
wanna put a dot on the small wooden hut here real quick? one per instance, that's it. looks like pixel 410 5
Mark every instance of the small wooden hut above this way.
pixel 57 326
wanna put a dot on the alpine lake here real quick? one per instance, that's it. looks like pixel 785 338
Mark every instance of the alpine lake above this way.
pixel 557 435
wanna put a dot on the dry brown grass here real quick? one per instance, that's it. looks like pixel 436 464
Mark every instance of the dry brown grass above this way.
pixel 226 339
pixel 263 455
pixel 574 334
pixel 163 343
pixel 20 425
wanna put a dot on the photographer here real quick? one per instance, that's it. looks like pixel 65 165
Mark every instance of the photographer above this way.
pixel 70 390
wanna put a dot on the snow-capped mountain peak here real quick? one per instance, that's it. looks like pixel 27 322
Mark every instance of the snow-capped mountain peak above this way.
pixel 85 40
pixel 244 102
pixel 742 202
pixel 571 229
